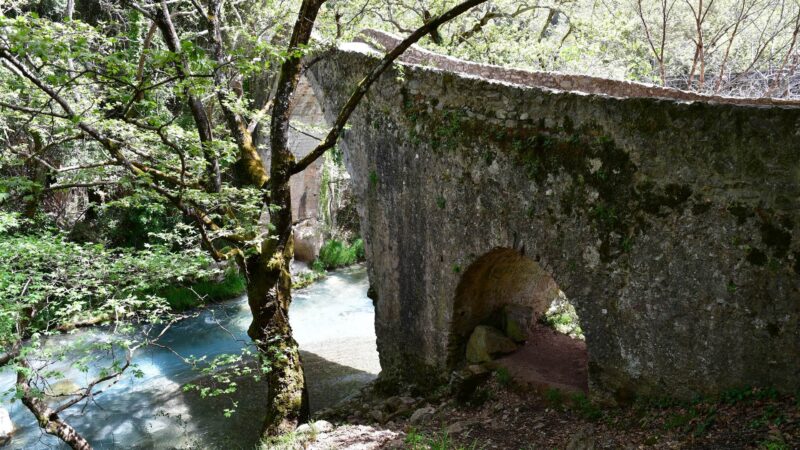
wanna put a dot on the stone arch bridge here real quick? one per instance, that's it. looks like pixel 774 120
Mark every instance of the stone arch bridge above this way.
pixel 668 218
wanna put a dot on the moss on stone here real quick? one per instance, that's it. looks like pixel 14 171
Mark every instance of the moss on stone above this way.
pixel 756 257
pixel 673 196
pixel 776 238
pixel 586 152
pixel 741 212
pixel 701 208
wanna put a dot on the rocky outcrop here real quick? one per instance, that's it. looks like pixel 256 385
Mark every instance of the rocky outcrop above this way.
pixel 669 221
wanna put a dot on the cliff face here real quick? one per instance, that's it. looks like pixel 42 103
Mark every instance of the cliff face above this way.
pixel 670 224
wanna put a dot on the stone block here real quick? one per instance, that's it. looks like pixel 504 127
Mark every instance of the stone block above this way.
pixel 486 343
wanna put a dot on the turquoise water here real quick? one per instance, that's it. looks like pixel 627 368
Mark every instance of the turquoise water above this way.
pixel 333 321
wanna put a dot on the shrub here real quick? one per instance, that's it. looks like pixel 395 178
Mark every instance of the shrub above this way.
pixel 203 291
pixel 305 279
pixel 503 376
pixel 335 253
pixel 585 407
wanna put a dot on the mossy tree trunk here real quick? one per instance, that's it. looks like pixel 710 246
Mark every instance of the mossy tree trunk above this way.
pixel 269 293
pixel 269 296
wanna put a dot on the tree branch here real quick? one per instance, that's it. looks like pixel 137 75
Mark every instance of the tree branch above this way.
pixel 204 129
pixel 61 187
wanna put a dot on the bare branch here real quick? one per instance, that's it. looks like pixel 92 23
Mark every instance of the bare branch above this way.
pixel 61 187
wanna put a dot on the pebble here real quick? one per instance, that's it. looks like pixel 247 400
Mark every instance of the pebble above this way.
pixel 377 416
pixel 456 428
pixel 422 415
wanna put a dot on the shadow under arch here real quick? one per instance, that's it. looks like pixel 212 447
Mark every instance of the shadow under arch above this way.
pixel 502 278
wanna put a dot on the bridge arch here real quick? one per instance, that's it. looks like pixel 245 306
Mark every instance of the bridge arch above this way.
pixel 507 290
pixel 501 277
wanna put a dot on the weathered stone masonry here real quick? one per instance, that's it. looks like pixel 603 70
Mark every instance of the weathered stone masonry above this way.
pixel 671 225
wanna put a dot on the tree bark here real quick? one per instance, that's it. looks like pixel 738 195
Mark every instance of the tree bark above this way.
pixel 269 280
pixel 269 296
pixel 269 289
pixel 48 418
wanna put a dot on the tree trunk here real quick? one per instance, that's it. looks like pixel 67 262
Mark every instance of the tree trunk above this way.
pixel 48 418
pixel 270 288
pixel 269 295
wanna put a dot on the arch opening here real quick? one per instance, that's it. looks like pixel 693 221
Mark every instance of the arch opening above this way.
pixel 509 312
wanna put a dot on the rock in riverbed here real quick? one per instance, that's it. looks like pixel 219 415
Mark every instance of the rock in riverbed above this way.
pixel 6 427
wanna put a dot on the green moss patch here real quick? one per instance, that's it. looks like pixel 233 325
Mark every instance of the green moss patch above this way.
pixel 181 298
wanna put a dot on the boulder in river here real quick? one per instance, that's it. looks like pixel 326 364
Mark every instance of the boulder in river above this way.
pixel 6 427
pixel 486 342
pixel 62 388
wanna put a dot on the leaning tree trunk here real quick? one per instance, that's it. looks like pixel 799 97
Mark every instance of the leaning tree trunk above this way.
pixel 269 295
pixel 270 289
pixel 269 282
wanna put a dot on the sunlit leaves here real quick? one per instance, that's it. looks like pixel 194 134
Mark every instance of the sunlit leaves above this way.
pixel 65 281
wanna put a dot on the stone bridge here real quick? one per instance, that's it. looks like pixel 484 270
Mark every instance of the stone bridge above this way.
pixel 668 218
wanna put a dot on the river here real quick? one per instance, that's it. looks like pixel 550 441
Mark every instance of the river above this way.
pixel 333 321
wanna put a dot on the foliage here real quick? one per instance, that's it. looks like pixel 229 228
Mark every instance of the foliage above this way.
pixel 554 397
pixel 562 317
pixel 748 394
pixel 63 281
pixel 503 376
pixel 416 440
pixel 222 373
pixel 335 253
pixel 696 419
pixel 585 407
pixel 203 291
pixel 159 141
pixel 49 284
pixel 305 279
pixel 130 223
pixel 286 441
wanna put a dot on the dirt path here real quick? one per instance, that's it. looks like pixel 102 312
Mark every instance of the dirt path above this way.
pixel 549 359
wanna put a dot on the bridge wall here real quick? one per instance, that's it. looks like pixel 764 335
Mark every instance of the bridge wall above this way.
pixel 670 225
